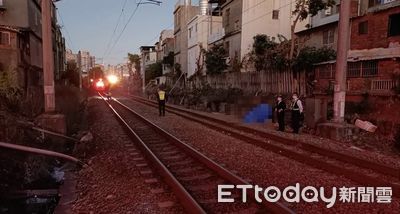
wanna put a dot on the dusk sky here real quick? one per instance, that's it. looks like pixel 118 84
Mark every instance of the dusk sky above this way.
pixel 91 23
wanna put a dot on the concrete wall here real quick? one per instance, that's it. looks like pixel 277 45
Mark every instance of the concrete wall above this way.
pixel 314 37
pixel 232 24
pixel 232 16
pixel 16 14
pixel 257 19
pixel 199 30
pixel 182 15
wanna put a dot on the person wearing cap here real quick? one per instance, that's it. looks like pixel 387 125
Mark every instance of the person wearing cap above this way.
pixel 161 96
pixel 297 111
pixel 280 112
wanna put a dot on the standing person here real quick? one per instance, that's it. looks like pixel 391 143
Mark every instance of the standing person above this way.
pixel 297 110
pixel 280 111
pixel 161 96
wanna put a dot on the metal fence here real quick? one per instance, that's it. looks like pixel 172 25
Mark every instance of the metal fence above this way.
pixel 383 85
pixel 276 82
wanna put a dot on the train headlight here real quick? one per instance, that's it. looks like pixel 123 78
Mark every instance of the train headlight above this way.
pixel 112 79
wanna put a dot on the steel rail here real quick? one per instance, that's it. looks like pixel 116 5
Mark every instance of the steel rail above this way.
pixel 363 163
pixel 187 201
pixel 221 171
pixel 314 162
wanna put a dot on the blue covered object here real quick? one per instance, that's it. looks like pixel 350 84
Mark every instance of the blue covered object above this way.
pixel 258 114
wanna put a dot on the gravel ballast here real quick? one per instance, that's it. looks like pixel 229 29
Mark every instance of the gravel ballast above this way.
pixel 112 182
pixel 258 165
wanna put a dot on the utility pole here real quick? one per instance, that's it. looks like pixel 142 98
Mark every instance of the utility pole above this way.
pixel 49 120
pixel 48 60
pixel 339 98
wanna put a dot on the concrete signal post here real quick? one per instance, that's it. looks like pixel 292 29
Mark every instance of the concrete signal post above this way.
pixel 50 119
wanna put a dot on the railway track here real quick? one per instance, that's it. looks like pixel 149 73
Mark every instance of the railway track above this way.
pixel 192 176
pixel 361 171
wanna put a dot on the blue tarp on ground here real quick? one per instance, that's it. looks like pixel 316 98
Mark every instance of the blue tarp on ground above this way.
pixel 258 114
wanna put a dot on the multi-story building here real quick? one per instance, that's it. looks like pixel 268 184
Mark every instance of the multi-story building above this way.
pixel 25 17
pixel 163 47
pixel 21 47
pixel 374 51
pixel 59 52
pixel 168 46
pixel 164 35
pixel 198 33
pixel 20 42
pixel 183 13
pixel 148 56
pixel 272 18
pixel 232 25
pixel 70 56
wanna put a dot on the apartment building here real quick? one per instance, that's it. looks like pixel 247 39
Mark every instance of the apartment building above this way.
pixel 148 56
pixel 21 42
pixel 232 24
pixel 199 30
pixel 374 52
pixel 183 13
pixel 270 17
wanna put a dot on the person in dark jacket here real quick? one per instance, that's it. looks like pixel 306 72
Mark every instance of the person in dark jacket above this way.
pixel 280 112
pixel 297 111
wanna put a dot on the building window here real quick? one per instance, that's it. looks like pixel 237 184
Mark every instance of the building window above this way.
pixel 5 38
pixel 328 37
pixel 362 69
pixel 394 23
pixel 328 11
pixel 196 27
pixel 372 3
pixel 326 71
pixel 190 32
pixel 237 26
pixel 363 28
pixel 369 68
pixel 227 48
pixel 354 69
pixel 275 14
pixel 227 16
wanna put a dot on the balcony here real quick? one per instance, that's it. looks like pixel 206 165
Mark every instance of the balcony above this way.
pixel 216 36
pixel 378 5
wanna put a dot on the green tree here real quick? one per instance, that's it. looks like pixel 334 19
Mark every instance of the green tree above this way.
pixel 152 71
pixel 169 60
pixel 267 54
pixel 215 60
pixel 10 93
pixel 304 9
pixel 134 60
pixel 308 56
pixel 72 73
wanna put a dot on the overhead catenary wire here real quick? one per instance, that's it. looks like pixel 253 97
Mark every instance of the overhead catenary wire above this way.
pixel 115 28
pixel 123 29
pixel 69 40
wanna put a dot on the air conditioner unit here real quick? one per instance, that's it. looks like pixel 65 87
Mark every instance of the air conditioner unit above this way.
pixel 328 11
